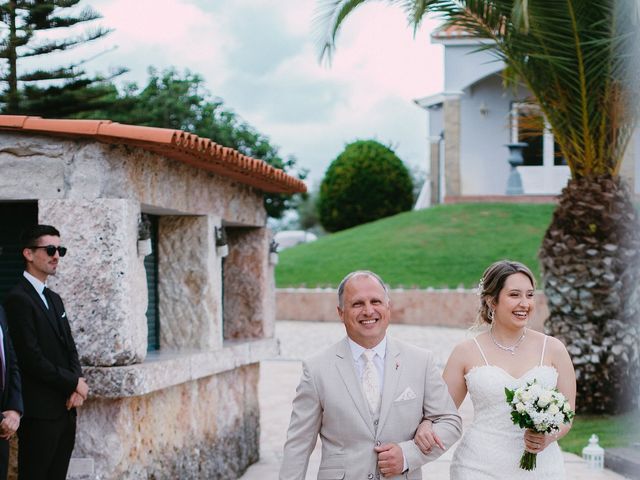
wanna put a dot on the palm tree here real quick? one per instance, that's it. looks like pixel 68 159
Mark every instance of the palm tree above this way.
pixel 575 57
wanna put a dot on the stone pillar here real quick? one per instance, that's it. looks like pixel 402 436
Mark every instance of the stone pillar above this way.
pixel 101 279
pixel 188 283
pixel 249 296
pixel 453 186
pixel 434 172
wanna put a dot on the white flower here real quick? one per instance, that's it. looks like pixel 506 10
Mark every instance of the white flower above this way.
pixel 566 407
pixel 525 395
pixel 536 390
pixel 553 409
pixel 520 407
pixel 544 399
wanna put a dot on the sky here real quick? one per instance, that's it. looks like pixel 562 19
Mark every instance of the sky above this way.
pixel 261 58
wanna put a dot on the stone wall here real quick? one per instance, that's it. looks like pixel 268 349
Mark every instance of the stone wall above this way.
pixel 248 293
pixel 447 308
pixel 98 275
pixel 189 410
pixel 189 283
pixel 77 169
pixel 208 428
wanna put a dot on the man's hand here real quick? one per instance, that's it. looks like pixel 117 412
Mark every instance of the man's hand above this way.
pixel 82 388
pixel 75 400
pixel 390 459
pixel 426 438
pixel 9 424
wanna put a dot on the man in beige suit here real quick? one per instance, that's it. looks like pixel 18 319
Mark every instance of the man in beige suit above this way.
pixel 365 397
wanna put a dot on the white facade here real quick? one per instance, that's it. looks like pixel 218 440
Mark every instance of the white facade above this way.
pixel 472 121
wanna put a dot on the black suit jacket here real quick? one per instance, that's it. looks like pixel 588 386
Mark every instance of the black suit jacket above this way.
pixel 11 398
pixel 46 352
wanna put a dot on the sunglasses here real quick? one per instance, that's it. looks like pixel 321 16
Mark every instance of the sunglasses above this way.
pixel 52 249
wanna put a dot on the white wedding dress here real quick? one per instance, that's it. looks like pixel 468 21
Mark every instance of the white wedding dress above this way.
pixel 492 446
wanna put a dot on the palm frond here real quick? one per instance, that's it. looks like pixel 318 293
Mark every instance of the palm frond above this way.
pixel 327 22
pixel 575 56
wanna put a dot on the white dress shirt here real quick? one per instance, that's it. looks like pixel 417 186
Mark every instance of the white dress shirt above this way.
pixel 38 285
pixel 378 361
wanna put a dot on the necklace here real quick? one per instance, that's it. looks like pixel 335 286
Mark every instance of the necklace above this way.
pixel 510 348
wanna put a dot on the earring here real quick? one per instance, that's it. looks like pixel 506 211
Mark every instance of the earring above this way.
pixel 490 315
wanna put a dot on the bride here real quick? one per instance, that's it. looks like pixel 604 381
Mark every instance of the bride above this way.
pixel 508 355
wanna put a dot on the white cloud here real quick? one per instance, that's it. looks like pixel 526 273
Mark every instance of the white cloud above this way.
pixel 167 33
pixel 261 57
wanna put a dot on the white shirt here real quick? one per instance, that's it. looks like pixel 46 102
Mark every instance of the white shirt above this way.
pixel 38 285
pixel 378 360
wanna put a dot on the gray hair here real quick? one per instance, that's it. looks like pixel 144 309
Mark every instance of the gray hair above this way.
pixel 359 273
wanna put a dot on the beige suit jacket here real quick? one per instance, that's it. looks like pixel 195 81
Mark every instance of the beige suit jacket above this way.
pixel 329 402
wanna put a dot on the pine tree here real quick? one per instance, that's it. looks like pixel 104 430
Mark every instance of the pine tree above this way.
pixel 70 89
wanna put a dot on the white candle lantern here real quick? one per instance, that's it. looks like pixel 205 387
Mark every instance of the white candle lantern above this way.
pixel 593 454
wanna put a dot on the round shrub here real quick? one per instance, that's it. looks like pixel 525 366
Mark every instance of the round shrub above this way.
pixel 367 181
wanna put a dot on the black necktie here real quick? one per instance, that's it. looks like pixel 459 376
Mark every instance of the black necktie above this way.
pixel 52 311
pixel 47 296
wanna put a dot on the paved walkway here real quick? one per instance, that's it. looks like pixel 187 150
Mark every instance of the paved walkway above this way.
pixel 279 378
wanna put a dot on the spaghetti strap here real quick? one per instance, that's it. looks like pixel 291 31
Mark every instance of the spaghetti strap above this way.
pixel 481 352
pixel 544 345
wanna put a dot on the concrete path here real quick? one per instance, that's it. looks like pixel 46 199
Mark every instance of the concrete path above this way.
pixel 279 378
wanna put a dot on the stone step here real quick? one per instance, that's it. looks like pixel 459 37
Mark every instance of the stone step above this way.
pixel 625 461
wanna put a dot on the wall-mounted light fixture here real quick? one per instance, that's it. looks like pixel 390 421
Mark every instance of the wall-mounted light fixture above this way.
pixel 273 253
pixel 484 110
pixel 222 247
pixel 144 235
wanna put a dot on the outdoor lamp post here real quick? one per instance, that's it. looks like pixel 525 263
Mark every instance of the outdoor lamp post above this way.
pixel 514 184
pixel 593 454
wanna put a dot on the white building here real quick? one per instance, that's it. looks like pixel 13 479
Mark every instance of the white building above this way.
pixel 473 119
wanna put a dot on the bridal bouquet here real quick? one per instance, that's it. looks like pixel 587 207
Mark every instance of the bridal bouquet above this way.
pixel 540 409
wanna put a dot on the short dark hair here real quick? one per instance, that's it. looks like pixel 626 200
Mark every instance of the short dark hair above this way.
pixel 493 280
pixel 31 235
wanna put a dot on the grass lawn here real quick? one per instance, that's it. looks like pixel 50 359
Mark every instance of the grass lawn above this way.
pixel 613 431
pixel 443 246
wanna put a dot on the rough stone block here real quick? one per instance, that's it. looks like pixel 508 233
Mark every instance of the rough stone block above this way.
pixel 30 169
pixel 188 285
pixel 246 284
pixel 207 428
pixel 101 279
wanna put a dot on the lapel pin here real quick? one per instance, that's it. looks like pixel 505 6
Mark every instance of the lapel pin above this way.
pixel 397 365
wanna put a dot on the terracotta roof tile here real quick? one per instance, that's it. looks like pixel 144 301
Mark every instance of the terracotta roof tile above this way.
pixel 175 144
pixel 451 31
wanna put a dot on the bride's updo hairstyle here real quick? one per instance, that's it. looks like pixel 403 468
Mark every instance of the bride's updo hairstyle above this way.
pixel 492 282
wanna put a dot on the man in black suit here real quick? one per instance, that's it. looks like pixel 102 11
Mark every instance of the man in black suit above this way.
pixel 11 396
pixel 52 382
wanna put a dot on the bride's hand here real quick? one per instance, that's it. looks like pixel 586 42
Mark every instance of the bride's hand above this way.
pixel 536 442
pixel 426 438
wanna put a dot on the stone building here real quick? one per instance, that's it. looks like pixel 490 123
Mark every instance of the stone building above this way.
pixel 171 341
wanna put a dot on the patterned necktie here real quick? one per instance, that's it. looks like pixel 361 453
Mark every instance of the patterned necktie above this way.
pixel 371 381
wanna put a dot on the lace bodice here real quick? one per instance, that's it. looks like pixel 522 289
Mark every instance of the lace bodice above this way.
pixel 491 447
